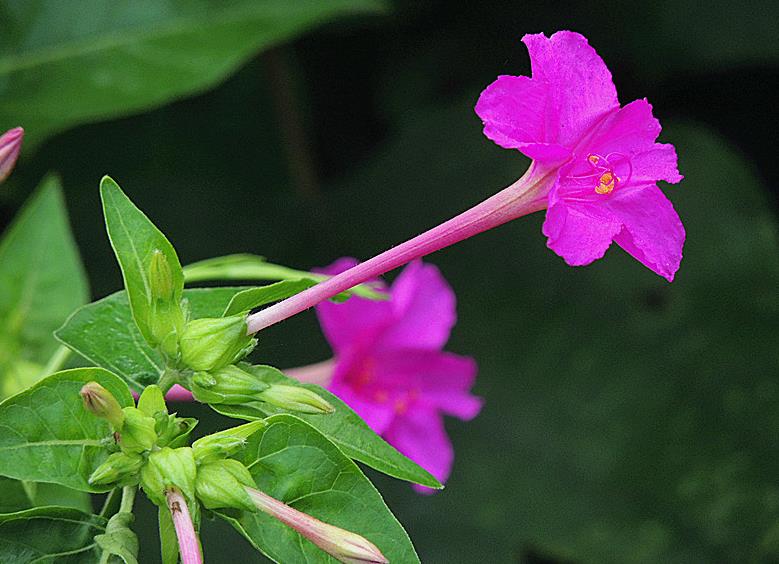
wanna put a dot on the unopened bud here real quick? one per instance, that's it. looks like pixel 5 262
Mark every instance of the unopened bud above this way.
pixel 118 468
pixel 229 385
pixel 166 317
pixel 295 398
pixel 99 401
pixel 176 430
pixel 10 146
pixel 223 483
pixel 224 443
pixel 137 433
pixel 343 545
pixel 168 468
pixel 213 343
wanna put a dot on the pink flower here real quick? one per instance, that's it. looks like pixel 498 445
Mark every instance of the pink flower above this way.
pixel 10 146
pixel 567 117
pixel 389 366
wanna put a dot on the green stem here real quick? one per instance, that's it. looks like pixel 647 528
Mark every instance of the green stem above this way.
pixel 126 506
pixel 169 377
pixel 57 360
pixel 109 501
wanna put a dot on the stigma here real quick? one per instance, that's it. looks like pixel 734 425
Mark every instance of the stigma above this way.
pixel 606 183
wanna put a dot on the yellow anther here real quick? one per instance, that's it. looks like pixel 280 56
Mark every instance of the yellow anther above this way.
pixel 606 183
pixel 594 159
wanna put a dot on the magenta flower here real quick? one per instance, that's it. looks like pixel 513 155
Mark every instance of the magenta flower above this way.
pixel 389 366
pixel 10 146
pixel 606 162
pixel 595 167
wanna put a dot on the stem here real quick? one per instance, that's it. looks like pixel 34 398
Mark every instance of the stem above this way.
pixel 320 373
pixel 168 379
pixel 126 506
pixel 526 195
pixel 109 501
pixel 189 544
pixel 57 360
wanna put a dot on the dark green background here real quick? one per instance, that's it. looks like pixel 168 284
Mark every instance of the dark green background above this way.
pixel 626 419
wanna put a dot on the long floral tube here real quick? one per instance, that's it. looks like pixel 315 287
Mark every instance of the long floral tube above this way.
pixel 525 196
pixel 189 544
pixel 343 545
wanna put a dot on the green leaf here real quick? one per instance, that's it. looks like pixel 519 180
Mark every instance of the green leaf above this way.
pixel 49 534
pixel 294 463
pixel 248 267
pixel 256 297
pixel 41 283
pixel 343 427
pixel 48 435
pixel 135 239
pixel 119 539
pixel 103 332
pixel 169 547
pixel 16 495
pixel 62 65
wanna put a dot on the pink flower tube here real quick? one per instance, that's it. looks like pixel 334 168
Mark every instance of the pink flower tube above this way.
pixel 189 544
pixel 595 167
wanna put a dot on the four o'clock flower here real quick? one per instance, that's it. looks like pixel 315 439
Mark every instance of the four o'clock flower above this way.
pixel 10 146
pixel 595 168
pixel 389 366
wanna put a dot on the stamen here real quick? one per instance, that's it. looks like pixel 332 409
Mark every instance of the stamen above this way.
pixel 606 183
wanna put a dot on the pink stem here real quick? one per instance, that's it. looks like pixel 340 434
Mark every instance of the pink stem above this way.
pixel 526 195
pixel 189 544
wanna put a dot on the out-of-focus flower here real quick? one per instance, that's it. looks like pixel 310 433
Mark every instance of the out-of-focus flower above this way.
pixel 10 146
pixel 605 160
pixel 389 366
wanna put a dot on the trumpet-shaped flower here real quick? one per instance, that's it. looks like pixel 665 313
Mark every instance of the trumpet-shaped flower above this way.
pixel 566 117
pixel 10 146
pixel 389 366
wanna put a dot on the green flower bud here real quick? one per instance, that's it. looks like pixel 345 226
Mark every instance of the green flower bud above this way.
pixel 119 468
pixel 167 468
pixel 152 401
pixel 229 385
pixel 295 398
pixel 222 483
pixel 176 431
pixel 137 433
pixel 213 343
pixel 224 443
pixel 102 403
pixel 166 316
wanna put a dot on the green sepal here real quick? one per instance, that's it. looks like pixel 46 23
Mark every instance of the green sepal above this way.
pixel 152 401
pixel 213 343
pixel 166 468
pixel 229 385
pixel 138 431
pixel 120 468
pixel 224 443
pixel 221 484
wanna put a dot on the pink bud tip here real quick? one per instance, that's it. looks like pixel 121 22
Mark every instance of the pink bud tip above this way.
pixel 189 544
pixel 10 145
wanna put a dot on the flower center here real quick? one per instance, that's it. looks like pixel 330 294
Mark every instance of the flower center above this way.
pixel 606 183
pixel 607 172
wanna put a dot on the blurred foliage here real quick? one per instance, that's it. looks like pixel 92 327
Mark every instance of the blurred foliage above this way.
pixel 627 420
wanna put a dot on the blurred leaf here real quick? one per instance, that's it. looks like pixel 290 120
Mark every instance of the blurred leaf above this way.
pixel 65 63
pixel 41 283
pixel 104 333
pixel 54 438
pixel 293 463
pixel 49 534
pixel 256 297
pixel 16 495
pixel 344 427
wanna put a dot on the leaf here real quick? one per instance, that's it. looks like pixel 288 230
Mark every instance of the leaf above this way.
pixel 103 332
pixel 119 539
pixel 16 495
pixel 49 534
pixel 256 297
pixel 48 436
pixel 248 267
pixel 344 427
pixel 169 547
pixel 135 239
pixel 41 283
pixel 60 65
pixel 293 462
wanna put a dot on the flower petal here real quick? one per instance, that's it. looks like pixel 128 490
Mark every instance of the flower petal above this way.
pixel 421 436
pixel 378 415
pixel 579 85
pixel 424 311
pixel 579 233
pixel 653 232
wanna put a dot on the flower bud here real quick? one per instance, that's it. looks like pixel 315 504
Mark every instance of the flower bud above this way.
pixel 137 433
pixel 175 431
pixel 10 146
pixel 222 483
pixel 166 317
pixel 99 401
pixel 343 545
pixel 295 398
pixel 118 468
pixel 224 443
pixel 168 468
pixel 213 343
pixel 229 385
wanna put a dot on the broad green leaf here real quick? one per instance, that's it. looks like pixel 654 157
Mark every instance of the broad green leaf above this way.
pixel 41 283
pixel 16 495
pixel 48 435
pixel 256 297
pixel 103 332
pixel 49 534
pixel 119 539
pixel 293 462
pixel 61 64
pixel 343 427
pixel 248 267
pixel 135 239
